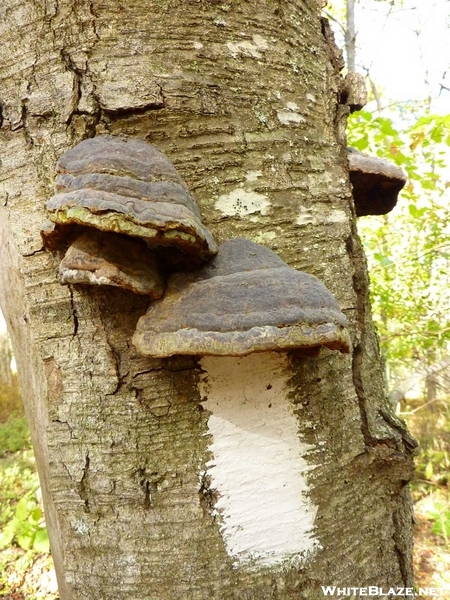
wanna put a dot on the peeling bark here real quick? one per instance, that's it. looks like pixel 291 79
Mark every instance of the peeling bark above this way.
pixel 244 99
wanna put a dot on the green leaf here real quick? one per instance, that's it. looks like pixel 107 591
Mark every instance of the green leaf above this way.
pixel 7 535
pixel 415 212
pixel 437 135
pixel 26 536
pixel 383 260
pixel 364 114
pixel 429 470
pixel 361 144
pixel 36 515
pixel 22 511
pixel 442 525
pixel 41 542
pixel 428 184
pixel 386 127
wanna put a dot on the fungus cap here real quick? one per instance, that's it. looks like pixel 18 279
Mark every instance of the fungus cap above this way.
pixel 114 260
pixel 246 300
pixel 127 186
pixel 376 183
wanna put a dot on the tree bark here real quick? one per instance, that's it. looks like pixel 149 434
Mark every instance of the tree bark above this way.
pixel 350 36
pixel 140 498
pixel 6 378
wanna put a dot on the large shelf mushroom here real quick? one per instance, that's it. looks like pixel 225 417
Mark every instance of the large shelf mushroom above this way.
pixel 245 300
pixel 376 183
pixel 123 197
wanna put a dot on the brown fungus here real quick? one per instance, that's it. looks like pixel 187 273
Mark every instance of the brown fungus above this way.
pixel 98 259
pixel 246 300
pixel 125 186
pixel 376 183
pixel 128 186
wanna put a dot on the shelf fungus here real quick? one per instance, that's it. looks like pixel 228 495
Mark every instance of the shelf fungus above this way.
pixel 245 300
pixel 376 183
pixel 98 259
pixel 124 198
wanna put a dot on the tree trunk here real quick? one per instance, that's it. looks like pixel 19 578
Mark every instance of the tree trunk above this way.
pixel 6 377
pixel 350 36
pixel 144 498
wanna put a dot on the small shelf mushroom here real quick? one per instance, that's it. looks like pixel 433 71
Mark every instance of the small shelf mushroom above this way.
pixel 124 186
pixel 98 259
pixel 245 300
pixel 376 183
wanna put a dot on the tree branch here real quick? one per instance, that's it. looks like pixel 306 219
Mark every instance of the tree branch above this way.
pixel 399 392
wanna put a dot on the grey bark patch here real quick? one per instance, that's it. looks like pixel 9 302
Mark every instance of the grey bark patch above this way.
pixel 353 92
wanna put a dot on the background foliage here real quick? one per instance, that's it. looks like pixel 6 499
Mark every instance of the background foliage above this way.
pixel 25 563
pixel 408 250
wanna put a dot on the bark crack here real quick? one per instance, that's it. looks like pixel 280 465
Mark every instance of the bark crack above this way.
pixel 402 536
pixel 359 388
pixel 150 483
pixel 126 111
pixel 23 121
pixel 78 76
pixel 399 432
pixel 83 486
pixel 409 441
pixel 361 290
pixel 34 252
pixel 74 312
pixel 171 366
pixel 68 427
pixel 94 23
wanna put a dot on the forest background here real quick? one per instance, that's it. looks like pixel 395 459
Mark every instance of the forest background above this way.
pixel 402 47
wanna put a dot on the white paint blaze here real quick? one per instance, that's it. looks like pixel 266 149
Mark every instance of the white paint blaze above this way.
pixel 258 468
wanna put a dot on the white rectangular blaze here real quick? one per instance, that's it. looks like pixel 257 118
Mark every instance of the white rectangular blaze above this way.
pixel 257 466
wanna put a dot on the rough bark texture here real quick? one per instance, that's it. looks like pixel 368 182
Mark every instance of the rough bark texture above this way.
pixel 243 98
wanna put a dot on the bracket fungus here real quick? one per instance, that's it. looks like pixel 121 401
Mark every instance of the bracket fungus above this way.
pixel 376 183
pixel 126 186
pixel 245 300
pixel 96 259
